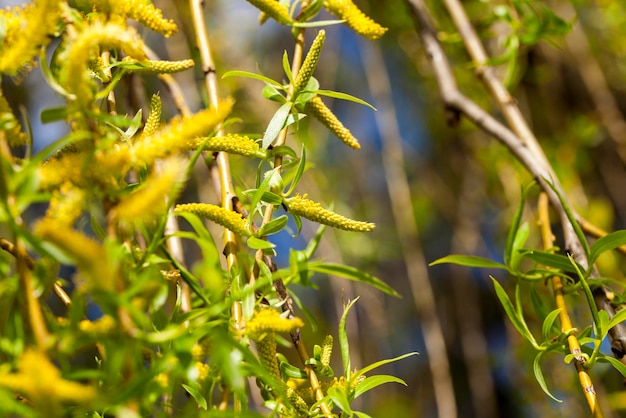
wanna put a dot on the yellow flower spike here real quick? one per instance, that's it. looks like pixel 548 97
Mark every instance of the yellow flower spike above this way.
pixel 154 117
pixel 58 170
pixel 204 370
pixel 232 144
pixel 273 9
pixel 267 320
pixel 179 135
pixel 150 200
pixel 41 382
pixel 151 17
pixel 219 215
pixel 90 257
pixel 86 46
pixel 355 18
pixel 104 325
pixel 266 349
pixel 313 211
pixel 66 204
pixel 310 62
pixel 327 349
pixel 298 403
pixel 318 109
pixel 27 29
pixel 163 67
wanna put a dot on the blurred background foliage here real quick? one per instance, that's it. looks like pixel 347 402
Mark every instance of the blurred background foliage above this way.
pixel 564 63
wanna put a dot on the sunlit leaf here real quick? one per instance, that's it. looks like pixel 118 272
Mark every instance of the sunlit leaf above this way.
pixel 539 375
pixel 469 261
pixel 607 243
pixel 352 273
pixel 372 382
pixel 276 125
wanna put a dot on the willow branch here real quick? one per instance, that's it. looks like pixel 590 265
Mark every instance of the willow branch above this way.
pixel 523 151
pixel 566 324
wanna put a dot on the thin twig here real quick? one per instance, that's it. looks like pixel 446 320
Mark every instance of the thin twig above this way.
pixel 566 324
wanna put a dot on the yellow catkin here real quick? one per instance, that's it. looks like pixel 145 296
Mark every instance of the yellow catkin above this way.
pixel 266 348
pixel 27 30
pixel 150 200
pixel 267 320
pixel 151 17
pixel 41 381
pixel 204 371
pixel 180 134
pixel 355 18
pixel 310 62
pixel 313 211
pixel 163 67
pixel 233 144
pixel 154 117
pixel 90 257
pixel 321 112
pixel 298 403
pixel 86 46
pixel 219 215
pixel 101 326
pixel 327 349
pixel 66 204
pixel 273 9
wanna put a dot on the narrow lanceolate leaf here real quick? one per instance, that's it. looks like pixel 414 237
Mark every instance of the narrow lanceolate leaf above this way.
pixel 344 345
pixel 539 376
pixel 351 273
pixel 512 313
pixel 310 62
pixel 372 382
pixel 548 322
pixel 276 124
pixel 469 261
pixel 607 243
pixel 313 211
pixel 316 108
pixel 219 215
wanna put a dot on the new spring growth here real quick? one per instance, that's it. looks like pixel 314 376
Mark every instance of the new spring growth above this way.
pixel 161 67
pixel 10 125
pixel 41 382
pixel 327 349
pixel 25 30
pixel 310 62
pixel 142 11
pixel 226 218
pixel 273 9
pixel 316 107
pixel 313 211
pixel 355 18
pixel 265 320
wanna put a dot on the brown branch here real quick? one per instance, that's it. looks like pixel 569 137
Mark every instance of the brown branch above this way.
pixel 566 324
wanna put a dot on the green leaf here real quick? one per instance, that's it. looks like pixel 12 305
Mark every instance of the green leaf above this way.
pixel 197 395
pixel 317 23
pixel 247 74
pixel 299 172
pixel 259 244
pixel 621 367
pixel 49 77
pixel 372 382
pixel 379 363
pixel 272 93
pixel 518 243
pixel 260 192
pixel 539 375
pixel 589 295
pixel 292 371
pixel 469 261
pixel 274 226
pixel 343 338
pixel 275 125
pixel 557 261
pixel 607 243
pixel 344 96
pixel 617 318
pixel 283 150
pixel 53 114
pixel 511 312
pixel 287 67
pixel 572 219
pixel 548 322
pixel 352 273
pixel 340 399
